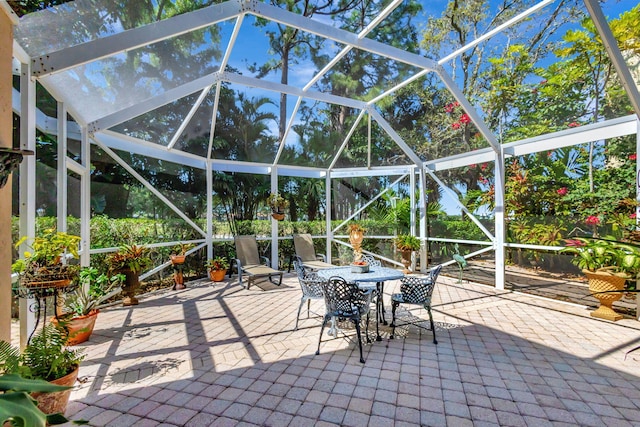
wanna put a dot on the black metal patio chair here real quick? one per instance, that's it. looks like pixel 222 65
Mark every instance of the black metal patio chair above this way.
pixel 418 291
pixel 346 300
pixel 310 284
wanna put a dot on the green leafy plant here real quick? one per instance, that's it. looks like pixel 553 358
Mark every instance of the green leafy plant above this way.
pixel 46 357
pixel 19 409
pixel 407 242
pixel 277 202
pixel 605 256
pixel 218 263
pixel 45 261
pixel 133 257
pixel 94 289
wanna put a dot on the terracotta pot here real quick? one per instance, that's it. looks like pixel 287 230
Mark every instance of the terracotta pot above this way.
pixel 277 216
pixel 178 259
pixel 217 275
pixel 599 283
pixel 79 328
pixel 52 403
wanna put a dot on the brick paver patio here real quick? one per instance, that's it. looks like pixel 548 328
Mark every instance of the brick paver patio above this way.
pixel 217 354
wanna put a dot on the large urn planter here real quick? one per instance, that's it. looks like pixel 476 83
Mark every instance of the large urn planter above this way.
pixel 130 287
pixel 601 286
pixel 178 277
pixel 406 261
pixel 56 402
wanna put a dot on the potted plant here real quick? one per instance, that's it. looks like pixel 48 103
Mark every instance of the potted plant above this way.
pixel 129 260
pixel 217 268
pixel 278 204
pixel 18 408
pixel 46 357
pixel 45 266
pixel 406 244
pixel 80 309
pixel 608 264
pixel 177 262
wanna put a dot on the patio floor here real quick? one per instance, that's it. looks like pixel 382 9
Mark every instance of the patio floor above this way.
pixel 218 354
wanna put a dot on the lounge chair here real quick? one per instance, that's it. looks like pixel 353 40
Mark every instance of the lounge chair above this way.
pixel 250 262
pixel 303 244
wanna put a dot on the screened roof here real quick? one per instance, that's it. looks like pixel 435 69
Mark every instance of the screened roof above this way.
pixel 168 82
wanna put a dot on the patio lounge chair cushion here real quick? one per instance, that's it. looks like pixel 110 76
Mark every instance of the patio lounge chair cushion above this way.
pixel 250 262
pixel 303 244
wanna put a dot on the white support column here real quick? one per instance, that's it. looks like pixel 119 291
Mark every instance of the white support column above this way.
pixel 329 231
pixel 209 172
pixel 61 183
pixel 27 186
pixel 499 214
pixel 85 198
pixel 638 207
pixel 274 223
pixel 7 20
pixel 423 221
pixel 412 215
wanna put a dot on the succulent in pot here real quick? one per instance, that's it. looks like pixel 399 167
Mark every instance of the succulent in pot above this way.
pixel 80 309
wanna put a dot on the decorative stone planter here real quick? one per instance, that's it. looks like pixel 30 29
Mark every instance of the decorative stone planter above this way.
pixel 598 284
pixel 54 402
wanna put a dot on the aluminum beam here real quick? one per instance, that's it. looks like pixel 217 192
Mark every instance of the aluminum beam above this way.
pixel 291 19
pixel 611 46
pixel 54 62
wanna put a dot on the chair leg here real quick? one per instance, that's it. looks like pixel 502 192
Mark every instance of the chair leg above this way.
pixel 299 309
pixel 433 328
pixel 324 322
pixel 357 322
pixel 381 301
pixel 308 308
pixel 394 305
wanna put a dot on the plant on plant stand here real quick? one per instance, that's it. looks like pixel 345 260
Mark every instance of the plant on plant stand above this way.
pixel 46 266
pixel 80 309
pixel 608 264
pixel 407 244
pixel 177 262
pixel 46 357
pixel 217 268
pixel 129 260
pixel 278 204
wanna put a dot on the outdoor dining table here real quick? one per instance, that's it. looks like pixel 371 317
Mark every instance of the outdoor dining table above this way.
pixel 372 280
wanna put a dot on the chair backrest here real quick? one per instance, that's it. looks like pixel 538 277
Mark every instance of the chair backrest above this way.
pixel 433 274
pixel 303 244
pixel 371 260
pixel 247 250
pixel 345 299
pixel 299 267
pixel 310 282
pixel 418 290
